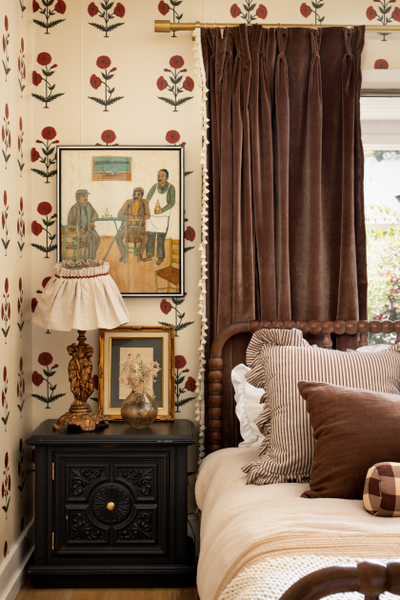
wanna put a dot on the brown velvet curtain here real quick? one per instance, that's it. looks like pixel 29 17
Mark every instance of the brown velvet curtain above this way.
pixel 286 229
pixel 287 234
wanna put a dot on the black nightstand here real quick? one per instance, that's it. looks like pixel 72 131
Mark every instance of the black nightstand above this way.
pixel 111 506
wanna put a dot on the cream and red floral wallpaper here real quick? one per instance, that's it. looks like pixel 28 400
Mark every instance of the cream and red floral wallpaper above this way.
pixel 76 72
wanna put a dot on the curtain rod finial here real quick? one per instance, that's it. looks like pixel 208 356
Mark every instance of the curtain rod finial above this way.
pixel 162 26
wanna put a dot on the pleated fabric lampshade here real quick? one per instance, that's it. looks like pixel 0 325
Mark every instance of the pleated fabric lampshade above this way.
pixel 81 295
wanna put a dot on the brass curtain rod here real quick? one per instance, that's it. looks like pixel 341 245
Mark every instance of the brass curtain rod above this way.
pixel 167 26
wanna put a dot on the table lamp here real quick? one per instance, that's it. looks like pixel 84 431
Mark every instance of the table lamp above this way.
pixel 81 295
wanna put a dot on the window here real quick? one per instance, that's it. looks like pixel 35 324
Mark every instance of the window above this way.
pixel 380 120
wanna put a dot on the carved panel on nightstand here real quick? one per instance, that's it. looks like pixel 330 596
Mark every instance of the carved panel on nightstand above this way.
pixel 82 529
pixel 141 527
pixel 142 480
pixel 114 505
pixel 80 479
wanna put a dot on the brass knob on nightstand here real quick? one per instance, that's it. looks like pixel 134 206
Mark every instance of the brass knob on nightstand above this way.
pixel 110 506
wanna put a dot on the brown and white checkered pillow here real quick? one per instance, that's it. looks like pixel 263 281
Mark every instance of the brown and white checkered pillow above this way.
pixel 382 490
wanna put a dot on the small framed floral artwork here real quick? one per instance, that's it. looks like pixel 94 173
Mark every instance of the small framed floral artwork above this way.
pixel 124 205
pixel 141 345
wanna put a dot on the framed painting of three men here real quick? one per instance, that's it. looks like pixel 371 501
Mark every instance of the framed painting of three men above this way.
pixel 125 205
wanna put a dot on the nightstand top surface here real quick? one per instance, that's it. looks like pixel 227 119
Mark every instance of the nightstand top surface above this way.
pixel 180 431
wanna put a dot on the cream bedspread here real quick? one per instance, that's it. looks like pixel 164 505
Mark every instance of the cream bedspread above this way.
pixel 241 525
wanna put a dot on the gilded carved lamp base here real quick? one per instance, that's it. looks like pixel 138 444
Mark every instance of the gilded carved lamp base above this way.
pixel 86 420
pixel 80 376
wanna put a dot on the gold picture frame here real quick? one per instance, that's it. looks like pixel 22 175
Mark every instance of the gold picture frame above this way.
pixel 151 343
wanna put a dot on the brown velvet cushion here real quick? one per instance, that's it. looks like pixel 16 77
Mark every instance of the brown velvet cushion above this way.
pixel 353 429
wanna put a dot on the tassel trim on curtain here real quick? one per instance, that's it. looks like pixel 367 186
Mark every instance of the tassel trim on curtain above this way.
pixel 199 409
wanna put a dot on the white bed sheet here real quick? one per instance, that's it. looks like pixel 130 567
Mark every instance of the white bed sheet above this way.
pixel 244 525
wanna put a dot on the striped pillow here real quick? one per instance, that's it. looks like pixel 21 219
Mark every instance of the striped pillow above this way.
pixel 279 359
pixel 382 490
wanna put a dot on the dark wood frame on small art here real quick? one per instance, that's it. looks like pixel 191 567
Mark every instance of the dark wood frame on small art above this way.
pixel 138 245
pixel 151 343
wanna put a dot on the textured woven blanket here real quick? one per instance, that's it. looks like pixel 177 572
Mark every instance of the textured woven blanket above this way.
pixel 270 578
pixel 243 525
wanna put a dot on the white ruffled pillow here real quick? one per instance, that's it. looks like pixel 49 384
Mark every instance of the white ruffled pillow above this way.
pixel 248 407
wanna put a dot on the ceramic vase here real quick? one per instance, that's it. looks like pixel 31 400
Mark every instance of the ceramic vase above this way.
pixel 139 410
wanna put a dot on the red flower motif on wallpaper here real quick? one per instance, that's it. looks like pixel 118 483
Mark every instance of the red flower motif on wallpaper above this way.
pixel 385 14
pixel 47 11
pixel 161 83
pixel 262 11
pixel 21 226
pixel 36 78
pixel 95 82
pixel 119 10
pixel 190 234
pixel 6 42
pixel 381 63
pixel 92 9
pixel 306 10
pixel 108 136
pixel 176 62
pixel 5 311
pixel 248 11
pixel 188 84
pixel 36 228
pixel 61 7
pixel 165 307
pixel 174 305
pixel 45 359
pixel 44 209
pixel 37 378
pixel 6 135
pixel 6 485
pixel 20 160
pixel 107 14
pixel 44 59
pixel 48 160
pixel 4 400
pixel 49 133
pixel 21 392
pixel 21 321
pixel 104 62
pixel 172 136
pixel 4 222
pixel 163 7
pixel 180 362
pixel 181 387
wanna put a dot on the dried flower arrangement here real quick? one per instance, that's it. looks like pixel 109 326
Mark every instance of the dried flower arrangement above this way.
pixel 138 374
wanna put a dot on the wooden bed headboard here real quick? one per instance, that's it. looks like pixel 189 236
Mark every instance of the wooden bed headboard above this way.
pixel 222 426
